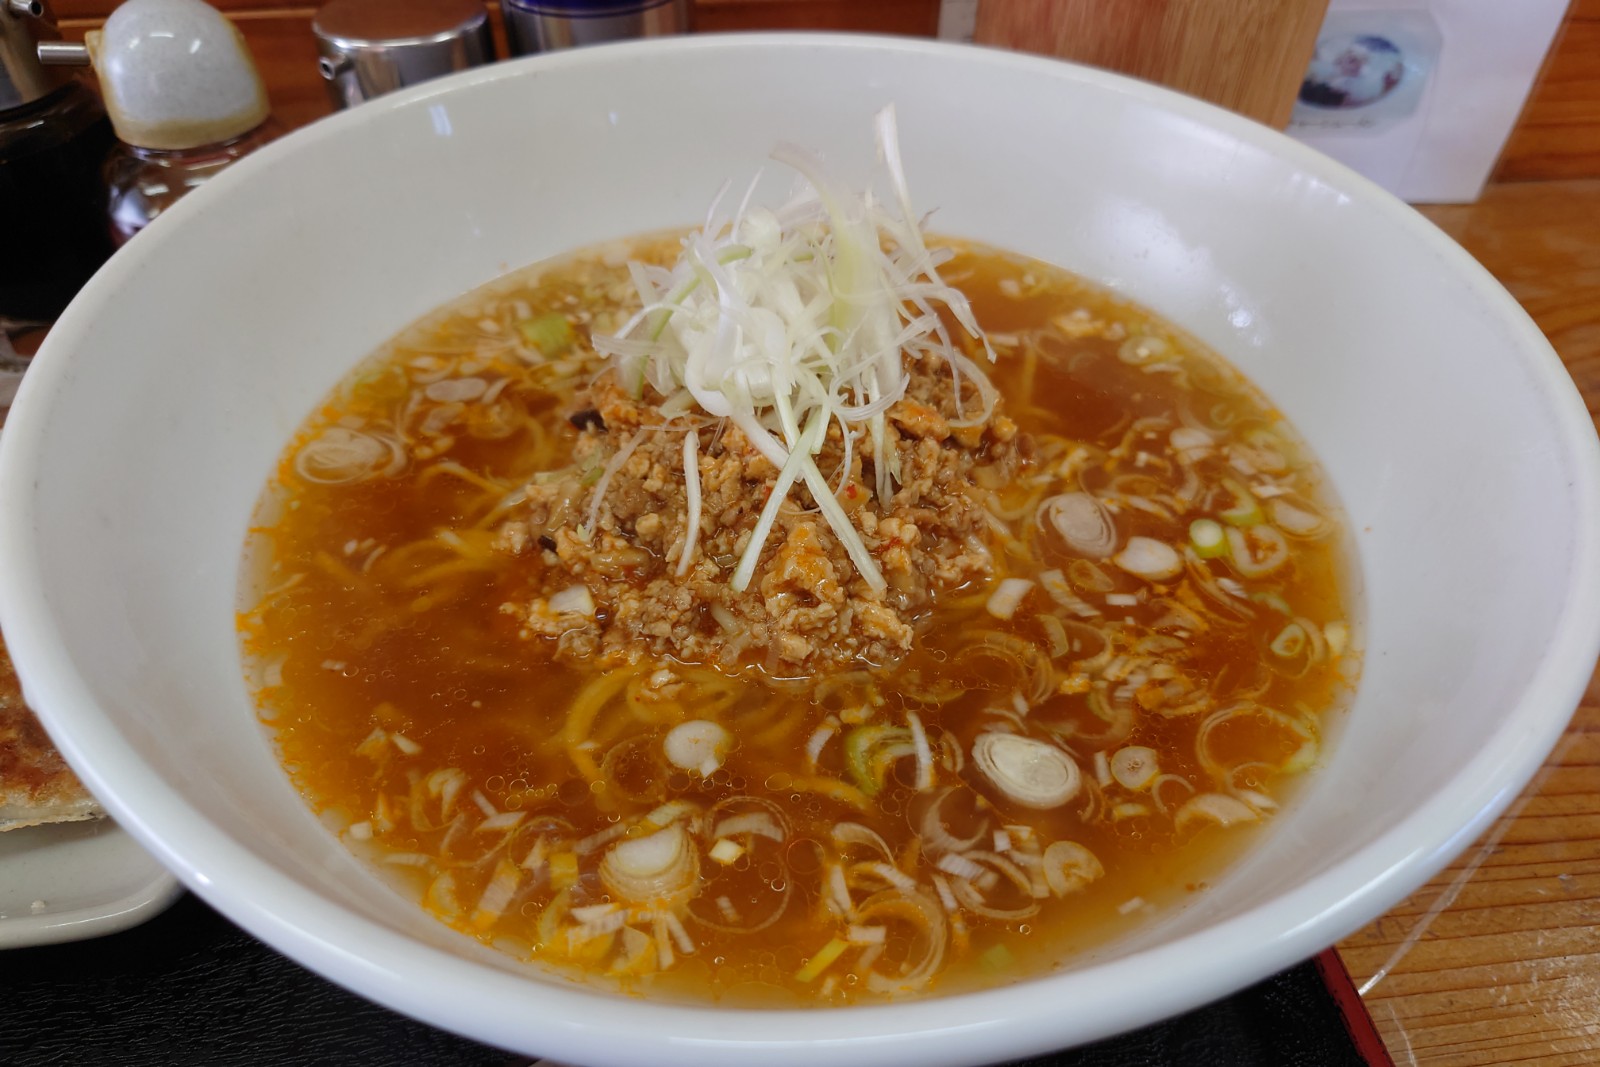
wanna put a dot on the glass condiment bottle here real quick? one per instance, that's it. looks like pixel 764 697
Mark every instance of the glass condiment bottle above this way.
pixel 184 98
pixel 53 138
pixel 141 183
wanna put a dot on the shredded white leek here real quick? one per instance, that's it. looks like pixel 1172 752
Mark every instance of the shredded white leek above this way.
pixel 867 935
pixel 612 467
pixel 1007 596
pixel 959 866
pixel 919 743
pixel 782 320
pixel 691 491
pixel 818 739
pixel 809 442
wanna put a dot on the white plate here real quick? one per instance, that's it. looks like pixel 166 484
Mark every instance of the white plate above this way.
pixel 76 880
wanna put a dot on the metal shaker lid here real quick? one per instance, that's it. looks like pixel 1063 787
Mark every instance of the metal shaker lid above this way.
pixel 23 24
pixel 371 47
pixel 546 25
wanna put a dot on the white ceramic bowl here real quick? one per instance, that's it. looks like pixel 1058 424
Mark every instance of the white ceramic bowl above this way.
pixel 156 411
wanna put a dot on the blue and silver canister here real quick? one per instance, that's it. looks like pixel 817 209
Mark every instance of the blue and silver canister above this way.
pixel 546 25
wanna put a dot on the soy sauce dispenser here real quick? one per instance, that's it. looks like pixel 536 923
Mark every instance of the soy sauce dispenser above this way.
pixel 54 137
pixel 186 102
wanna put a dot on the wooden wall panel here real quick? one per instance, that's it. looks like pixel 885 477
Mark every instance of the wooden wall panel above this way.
pixel 896 16
pixel 911 17
pixel 1246 55
pixel 1558 135
pixel 99 9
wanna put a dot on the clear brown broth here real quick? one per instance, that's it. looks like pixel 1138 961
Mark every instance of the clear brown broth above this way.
pixel 423 651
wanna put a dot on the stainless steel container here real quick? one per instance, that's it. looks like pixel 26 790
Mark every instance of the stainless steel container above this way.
pixel 371 47
pixel 22 79
pixel 546 25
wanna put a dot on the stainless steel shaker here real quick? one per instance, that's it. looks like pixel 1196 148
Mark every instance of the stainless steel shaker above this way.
pixel 371 47
pixel 546 25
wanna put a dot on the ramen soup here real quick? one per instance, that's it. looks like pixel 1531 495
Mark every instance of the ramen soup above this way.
pixel 796 610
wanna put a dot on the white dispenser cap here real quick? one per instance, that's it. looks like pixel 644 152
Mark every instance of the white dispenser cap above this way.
pixel 176 74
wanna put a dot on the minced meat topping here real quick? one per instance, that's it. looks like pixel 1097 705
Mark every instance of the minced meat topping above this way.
pixel 613 591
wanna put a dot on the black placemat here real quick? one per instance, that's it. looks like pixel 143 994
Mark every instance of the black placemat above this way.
pixel 188 987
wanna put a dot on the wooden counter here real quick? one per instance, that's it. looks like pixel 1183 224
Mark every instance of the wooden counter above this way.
pixel 1497 960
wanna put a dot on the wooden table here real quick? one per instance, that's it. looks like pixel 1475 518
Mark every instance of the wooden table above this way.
pixel 1497 960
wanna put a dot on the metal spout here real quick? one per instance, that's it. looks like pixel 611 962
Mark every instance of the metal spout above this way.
pixel 61 53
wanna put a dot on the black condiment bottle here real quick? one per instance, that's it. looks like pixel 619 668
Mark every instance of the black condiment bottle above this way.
pixel 54 137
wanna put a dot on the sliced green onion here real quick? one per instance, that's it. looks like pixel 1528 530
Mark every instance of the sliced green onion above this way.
pixel 1257 551
pixel 1304 756
pixel 857 751
pixel 1338 637
pixel 1273 600
pixel 1033 773
pixel 1290 642
pixel 1147 558
pixel 868 751
pixel 1245 510
pixel 1218 808
pixel 1207 538
pixel 551 334
pixel 996 958
pixel 1134 767
pixel 1007 596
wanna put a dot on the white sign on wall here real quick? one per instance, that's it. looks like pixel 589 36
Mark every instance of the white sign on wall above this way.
pixel 1420 95
pixel 957 19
